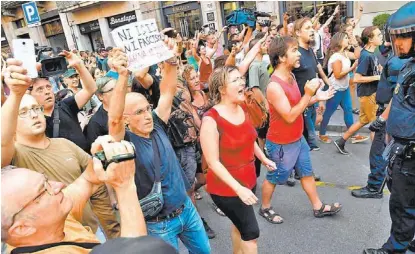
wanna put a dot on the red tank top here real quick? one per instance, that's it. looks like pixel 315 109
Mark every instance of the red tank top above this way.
pixel 236 153
pixel 281 132
pixel 205 71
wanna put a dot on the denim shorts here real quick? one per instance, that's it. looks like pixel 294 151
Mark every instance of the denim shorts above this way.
pixel 187 159
pixel 288 157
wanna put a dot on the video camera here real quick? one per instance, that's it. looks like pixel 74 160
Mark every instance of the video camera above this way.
pixel 51 66
pixel 246 16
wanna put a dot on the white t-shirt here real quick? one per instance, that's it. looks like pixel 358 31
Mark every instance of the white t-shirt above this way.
pixel 239 57
pixel 343 83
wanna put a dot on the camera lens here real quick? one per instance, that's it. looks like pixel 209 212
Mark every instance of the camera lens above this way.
pixel 24 43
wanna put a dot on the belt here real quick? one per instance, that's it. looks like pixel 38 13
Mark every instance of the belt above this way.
pixel 171 215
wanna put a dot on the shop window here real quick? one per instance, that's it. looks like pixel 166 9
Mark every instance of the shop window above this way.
pixel 186 23
pixel 20 23
pixel 53 28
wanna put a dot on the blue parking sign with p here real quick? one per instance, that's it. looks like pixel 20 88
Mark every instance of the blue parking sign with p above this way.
pixel 31 13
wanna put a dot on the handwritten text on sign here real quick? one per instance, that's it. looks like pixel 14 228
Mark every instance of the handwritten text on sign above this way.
pixel 142 43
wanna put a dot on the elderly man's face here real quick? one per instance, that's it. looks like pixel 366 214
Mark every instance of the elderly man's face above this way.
pixel 138 114
pixel 33 204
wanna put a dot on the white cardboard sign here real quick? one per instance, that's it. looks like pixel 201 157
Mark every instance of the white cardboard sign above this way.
pixel 143 44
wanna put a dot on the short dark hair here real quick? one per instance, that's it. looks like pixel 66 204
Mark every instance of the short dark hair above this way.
pixel 220 61
pixel 279 27
pixel 367 34
pixel 278 48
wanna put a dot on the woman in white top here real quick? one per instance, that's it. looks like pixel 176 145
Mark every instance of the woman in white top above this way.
pixel 339 66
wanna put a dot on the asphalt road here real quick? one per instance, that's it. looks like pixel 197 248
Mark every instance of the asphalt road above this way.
pixel 362 223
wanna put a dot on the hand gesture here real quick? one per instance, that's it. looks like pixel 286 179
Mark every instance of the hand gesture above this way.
pixel 320 10
pixel 179 38
pixel 246 195
pixel 118 175
pixel 286 16
pixel 233 51
pixel 224 29
pixel 311 86
pixel 269 164
pixel 119 61
pixel 74 61
pixel 361 8
pixel 15 76
pixel 336 10
pixel 325 95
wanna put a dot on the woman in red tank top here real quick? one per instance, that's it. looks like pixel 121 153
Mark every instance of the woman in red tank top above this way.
pixel 228 143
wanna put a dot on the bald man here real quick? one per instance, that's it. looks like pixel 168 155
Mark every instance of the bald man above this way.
pixel 38 214
pixel 25 144
pixel 147 130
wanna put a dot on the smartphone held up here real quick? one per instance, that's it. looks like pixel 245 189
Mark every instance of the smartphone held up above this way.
pixel 24 50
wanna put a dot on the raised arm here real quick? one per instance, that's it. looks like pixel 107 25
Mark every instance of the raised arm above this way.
pixel 88 83
pixel 195 45
pixel 242 33
pixel 244 66
pixel 285 23
pixel 359 16
pixel 168 85
pixel 116 126
pixel 145 79
pixel 16 79
pixel 329 20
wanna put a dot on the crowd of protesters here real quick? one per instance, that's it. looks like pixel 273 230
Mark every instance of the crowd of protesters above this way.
pixel 192 123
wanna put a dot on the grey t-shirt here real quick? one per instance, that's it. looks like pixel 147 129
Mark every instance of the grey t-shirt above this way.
pixel 258 75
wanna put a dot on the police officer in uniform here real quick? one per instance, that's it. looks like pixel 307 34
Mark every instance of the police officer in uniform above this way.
pixel 384 94
pixel 401 126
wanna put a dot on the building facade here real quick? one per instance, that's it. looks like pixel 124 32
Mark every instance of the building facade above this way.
pixel 86 25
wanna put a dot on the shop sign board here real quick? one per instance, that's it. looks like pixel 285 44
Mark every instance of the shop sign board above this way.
pixel 142 43
pixel 89 27
pixel 121 19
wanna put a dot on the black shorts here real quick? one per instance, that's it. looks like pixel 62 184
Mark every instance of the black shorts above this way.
pixel 262 132
pixel 241 215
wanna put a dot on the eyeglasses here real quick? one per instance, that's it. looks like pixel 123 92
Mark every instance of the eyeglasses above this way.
pixel 47 188
pixel 26 112
pixel 149 108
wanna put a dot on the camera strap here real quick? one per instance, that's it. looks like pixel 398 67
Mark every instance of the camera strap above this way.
pixel 56 120
pixel 156 160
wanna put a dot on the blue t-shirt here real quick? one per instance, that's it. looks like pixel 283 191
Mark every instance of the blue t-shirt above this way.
pixel 308 68
pixel 368 66
pixel 173 181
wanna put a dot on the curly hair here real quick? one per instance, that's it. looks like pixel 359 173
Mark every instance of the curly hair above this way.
pixel 217 81
pixel 187 69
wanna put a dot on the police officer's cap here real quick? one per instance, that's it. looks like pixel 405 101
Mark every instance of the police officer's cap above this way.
pixel 403 20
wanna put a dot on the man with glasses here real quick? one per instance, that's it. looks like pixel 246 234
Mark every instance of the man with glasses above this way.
pixel 147 130
pixel 41 215
pixel 62 118
pixel 26 145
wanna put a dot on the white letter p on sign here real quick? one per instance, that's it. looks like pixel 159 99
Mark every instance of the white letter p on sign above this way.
pixel 30 12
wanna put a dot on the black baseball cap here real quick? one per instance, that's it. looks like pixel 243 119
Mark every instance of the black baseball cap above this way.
pixel 130 245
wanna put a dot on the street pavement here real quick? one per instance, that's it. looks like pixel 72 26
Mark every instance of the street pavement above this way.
pixel 362 223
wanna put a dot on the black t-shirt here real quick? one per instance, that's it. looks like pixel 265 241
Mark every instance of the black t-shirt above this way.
pixel 69 127
pixel 153 96
pixel 97 126
pixel 368 66
pixel 308 68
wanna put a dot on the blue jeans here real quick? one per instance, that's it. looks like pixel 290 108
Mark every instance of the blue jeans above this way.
pixel 187 226
pixel 310 115
pixel 376 160
pixel 187 159
pixel 287 157
pixel 344 99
